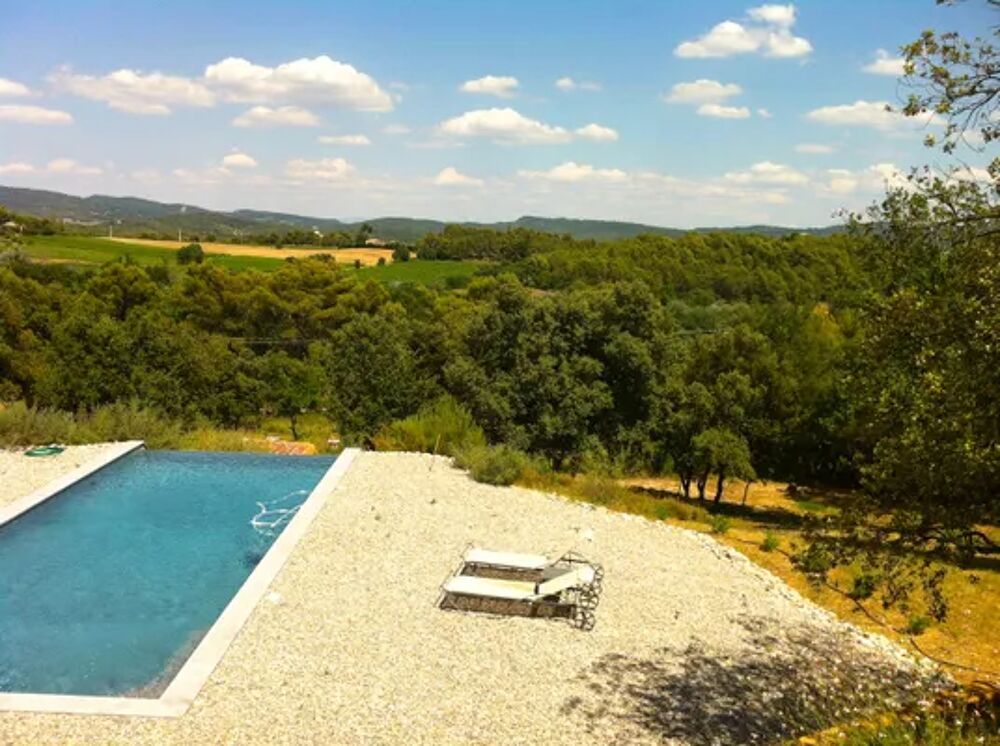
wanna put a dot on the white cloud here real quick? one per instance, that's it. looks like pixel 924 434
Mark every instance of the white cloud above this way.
pixel 812 148
pixel 861 114
pixel 345 140
pixel 323 170
pixel 503 86
pixel 33 115
pixel 874 179
pixel 451 176
pixel 18 167
pixel 767 172
pixel 133 91
pixel 764 113
pixel 701 91
pixel 767 32
pixel 64 166
pixel 723 112
pixel 571 172
pixel 777 15
pixel 504 126
pixel 597 133
pixel 283 116
pixel 567 84
pixel 13 88
pixel 396 129
pixel 239 160
pixel 320 80
pixel 885 64
pixel 69 166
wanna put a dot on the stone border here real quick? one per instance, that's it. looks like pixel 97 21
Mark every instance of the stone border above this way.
pixel 53 488
pixel 185 686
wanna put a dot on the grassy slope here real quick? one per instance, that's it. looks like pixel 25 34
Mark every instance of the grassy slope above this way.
pixel 968 637
pixel 88 250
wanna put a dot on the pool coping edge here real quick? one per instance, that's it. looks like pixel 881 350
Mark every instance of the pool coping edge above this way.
pixel 22 505
pixel 185 686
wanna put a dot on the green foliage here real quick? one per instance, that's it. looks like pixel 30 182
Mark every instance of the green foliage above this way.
pixel 22 425
pixel 863 585
pixel 190 254
pixel 917 624
pixel 499 465
pixel 442 426
pixel 401 254
pixel 719 524
pixel 771 542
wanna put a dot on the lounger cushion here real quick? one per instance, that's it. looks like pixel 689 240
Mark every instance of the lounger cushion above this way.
pixel 573 577
pixel 476 556
pixel 511 590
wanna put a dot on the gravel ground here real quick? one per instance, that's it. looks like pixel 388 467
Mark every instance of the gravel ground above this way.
pixel 693 643
pixel 21 475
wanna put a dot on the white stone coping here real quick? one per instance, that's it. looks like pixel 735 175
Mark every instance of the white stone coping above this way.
pixel 11 511
pixel 184 687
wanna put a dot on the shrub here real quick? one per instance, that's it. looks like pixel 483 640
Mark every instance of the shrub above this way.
pixel 917 625
pixel 771 542
pixel 719 524
pixel 863 586
pixel 662 512
pixel 381 261
pixel 501 465
pixel 357 264
pixel 400 254
pixel 21 425
pixel 190 254
pixel 443 426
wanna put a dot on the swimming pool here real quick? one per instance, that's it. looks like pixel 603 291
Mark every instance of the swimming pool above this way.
pixel 107 588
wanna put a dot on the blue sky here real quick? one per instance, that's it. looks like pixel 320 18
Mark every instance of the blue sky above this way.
pixel 673 113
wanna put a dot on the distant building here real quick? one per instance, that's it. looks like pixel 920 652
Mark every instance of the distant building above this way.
pixel 376 242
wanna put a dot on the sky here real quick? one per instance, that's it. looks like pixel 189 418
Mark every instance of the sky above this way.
pixel 671 113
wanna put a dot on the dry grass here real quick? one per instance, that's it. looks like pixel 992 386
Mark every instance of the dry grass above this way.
pixel 969 638
pixel 368 256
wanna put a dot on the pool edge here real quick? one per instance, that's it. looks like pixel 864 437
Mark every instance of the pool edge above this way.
pixel 21 506
pixel 189 681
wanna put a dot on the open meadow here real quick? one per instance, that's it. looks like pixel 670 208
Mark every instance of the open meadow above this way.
pixel 90 251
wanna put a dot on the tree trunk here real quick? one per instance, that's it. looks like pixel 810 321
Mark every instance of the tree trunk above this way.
pixel 746 490
pixel 686 485
pixel 702 481
pixel 719 485
pixel 293 421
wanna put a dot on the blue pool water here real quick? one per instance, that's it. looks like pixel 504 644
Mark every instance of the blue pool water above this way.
pixel 106 588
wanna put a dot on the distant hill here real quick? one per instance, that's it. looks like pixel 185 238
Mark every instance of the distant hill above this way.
pixel 132 216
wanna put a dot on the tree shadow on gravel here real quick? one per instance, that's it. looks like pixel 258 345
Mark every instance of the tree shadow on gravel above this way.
pixel 785 683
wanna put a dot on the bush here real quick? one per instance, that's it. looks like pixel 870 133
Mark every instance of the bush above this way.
pixel 501 465
pixel 771 542
pixel 190 254
pixel 381 261
pixel 21 425
pixel 719 524
pixel 662 512
pixel 400 254
pixel 917 625
pixel 863 586
pixel 443 426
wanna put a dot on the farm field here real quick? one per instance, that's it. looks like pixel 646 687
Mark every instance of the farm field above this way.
pixel 90 250
pixel 368 256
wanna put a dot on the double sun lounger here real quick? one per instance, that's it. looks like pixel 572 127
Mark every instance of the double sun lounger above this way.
pixel 525 585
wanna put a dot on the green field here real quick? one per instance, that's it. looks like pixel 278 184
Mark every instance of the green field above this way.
pixel 91 251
